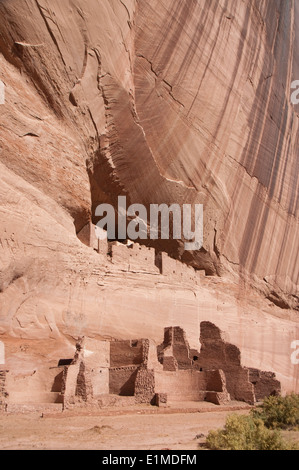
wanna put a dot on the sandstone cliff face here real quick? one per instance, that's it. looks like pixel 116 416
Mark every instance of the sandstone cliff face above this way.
pixel 185 101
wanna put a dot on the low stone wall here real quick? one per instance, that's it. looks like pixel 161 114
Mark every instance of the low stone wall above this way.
pixel 193 385
pixel 181 385
pixel 34 386
pixel 179 271
pixel 135 258
pixel 29 408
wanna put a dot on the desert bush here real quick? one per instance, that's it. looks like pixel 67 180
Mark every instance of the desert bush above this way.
pixel 246 433
pixel 279 412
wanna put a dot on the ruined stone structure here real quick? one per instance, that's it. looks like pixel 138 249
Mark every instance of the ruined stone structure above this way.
pixel 264 383
pixel 172 370
pixel 105 373
pixel 173 102
pixel 135 258
pixel 242 383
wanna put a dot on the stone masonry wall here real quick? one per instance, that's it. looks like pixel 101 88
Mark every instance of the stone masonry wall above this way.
pixel 216 353
pixel 181 385
pixel 126 353
pixel 265 384
pixel 3 392
pixel 145 386
pixel 175 353
pixel 122 380
pixel 138 258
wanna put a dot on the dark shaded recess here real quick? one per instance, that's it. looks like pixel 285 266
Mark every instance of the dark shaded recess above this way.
pixel 122 382
pixel 30 134
pixel 128 389
pixel 65 362
pixel 278 301
pixel 295 298
pixel 105 187
pixel 201 260
pixel 15 275
pixel 57 384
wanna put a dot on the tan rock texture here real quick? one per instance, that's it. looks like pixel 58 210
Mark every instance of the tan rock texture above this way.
pixel 164 101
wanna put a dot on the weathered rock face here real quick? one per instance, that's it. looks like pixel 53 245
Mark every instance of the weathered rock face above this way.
pixel 185 101
pixel 233 139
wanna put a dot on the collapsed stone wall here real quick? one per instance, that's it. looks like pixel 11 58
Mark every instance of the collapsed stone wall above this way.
pixel 242 383
pixel 104 368
pixel 133 258
pixel 175 353
pixel 178 270
pixel 217 353
pixel 216 387
pixel 134 375
pixel 264 383
pixel 182 376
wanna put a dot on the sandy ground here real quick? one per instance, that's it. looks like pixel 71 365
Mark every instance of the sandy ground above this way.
pixel 132 429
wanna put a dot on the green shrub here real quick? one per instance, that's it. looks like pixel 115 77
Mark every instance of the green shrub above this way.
pixel 279 412
pixel 246 433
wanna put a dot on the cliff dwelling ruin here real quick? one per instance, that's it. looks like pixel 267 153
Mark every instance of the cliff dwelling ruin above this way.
pixel 122 373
